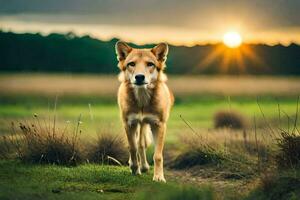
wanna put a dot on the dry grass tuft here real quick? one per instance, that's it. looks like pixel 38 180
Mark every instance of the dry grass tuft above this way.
pixel 229 119
pixel 289 150
pixel 45 144
pixel 5 148
pixel 231 153
pixel 108 149
pixel 196 152
pixel 193 157
pixel 279 186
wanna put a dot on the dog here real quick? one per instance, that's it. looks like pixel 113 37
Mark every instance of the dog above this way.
pixel 145 102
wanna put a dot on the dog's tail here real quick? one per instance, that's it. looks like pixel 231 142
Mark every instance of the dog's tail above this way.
pixel 146 135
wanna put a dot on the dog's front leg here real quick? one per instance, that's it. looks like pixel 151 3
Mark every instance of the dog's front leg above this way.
pixel 158 130
pixel 131 132
pixel 143 147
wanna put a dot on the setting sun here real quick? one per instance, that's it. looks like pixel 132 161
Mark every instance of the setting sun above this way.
pixel 232 39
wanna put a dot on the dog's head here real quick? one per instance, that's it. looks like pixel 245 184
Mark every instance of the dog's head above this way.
pixel 141 67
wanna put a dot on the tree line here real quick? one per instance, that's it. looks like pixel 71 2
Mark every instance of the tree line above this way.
pixel 70 53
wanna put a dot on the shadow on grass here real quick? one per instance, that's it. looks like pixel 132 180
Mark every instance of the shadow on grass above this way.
pixel 172 192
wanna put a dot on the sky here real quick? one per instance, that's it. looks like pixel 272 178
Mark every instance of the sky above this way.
pixel 180 22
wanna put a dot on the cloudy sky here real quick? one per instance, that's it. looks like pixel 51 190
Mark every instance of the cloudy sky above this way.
pixel 175 21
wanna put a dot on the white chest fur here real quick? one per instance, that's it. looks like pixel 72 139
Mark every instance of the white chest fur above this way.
pixel 142 95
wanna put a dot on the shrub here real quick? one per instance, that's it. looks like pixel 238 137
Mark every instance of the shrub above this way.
pixel 279 186
pixel 197 156
pixel 196 152
pixel 46 144
pixel 108 149
pixel 289 150
pixel 229 119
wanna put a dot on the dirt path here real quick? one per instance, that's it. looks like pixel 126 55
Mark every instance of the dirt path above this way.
pixel 220 184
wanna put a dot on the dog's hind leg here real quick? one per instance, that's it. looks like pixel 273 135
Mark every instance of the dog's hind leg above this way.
pixel 131 133
pixel 144 142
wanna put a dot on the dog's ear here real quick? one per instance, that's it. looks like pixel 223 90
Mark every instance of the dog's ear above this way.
pixel 122 50
pixel 161 51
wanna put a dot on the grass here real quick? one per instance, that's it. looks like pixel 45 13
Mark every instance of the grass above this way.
pixel 194 157
pixel 224 154
pixel 242 154
pixel 42 142
pixel 108 149
pixel 23 181
pixel 277 185
pixel 106 85
pixel 199 113
pixel 87 181
pixel 177 193
pixel 288 155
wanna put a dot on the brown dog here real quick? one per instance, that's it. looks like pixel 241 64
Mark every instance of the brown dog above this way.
pixel 145 102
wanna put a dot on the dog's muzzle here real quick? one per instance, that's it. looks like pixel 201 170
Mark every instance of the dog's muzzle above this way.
pixel 140 79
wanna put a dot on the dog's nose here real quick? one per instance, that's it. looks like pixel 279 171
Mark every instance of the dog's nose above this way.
pixel 139 78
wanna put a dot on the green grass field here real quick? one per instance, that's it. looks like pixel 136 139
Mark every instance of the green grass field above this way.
pixel 105 115
pixel 23 95
pixel 19 181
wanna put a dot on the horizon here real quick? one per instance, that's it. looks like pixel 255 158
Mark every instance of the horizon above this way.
pixel 216 43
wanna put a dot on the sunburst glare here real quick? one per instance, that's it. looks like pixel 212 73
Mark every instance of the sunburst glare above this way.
pixel 232 39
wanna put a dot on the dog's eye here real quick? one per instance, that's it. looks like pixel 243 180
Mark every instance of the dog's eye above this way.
pixel 150 64
pixel 131 64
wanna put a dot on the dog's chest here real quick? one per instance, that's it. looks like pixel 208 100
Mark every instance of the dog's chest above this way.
pixel 143 96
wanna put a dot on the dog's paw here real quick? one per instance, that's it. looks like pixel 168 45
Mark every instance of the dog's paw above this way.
pixel 145 168
pixel 159 178
pixel 135 170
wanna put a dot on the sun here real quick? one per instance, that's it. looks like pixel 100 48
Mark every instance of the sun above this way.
pixel 232 39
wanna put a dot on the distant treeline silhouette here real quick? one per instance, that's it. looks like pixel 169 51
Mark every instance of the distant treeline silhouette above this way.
pixel 70 53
